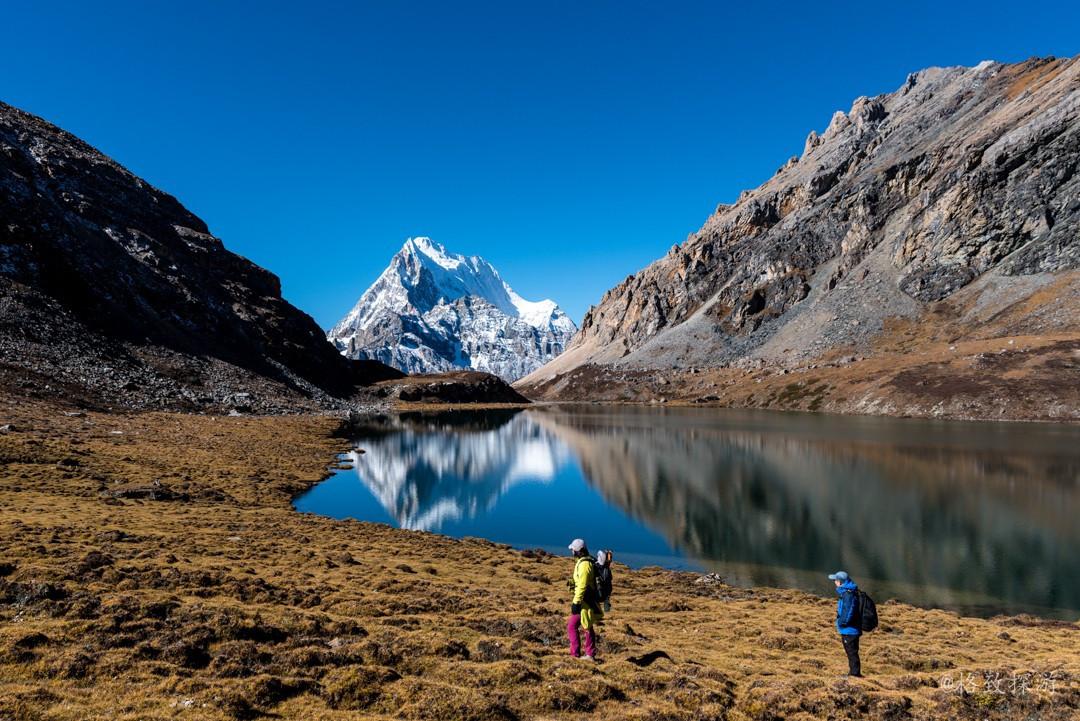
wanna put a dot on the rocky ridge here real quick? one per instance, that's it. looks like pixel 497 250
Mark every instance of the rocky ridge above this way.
pixel 114 294
pixel 964 179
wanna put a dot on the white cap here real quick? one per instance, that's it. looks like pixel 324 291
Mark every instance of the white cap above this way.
pixel 601 557
pixel 576 545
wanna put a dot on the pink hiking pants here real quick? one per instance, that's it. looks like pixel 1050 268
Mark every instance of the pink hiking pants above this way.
pixel 573 625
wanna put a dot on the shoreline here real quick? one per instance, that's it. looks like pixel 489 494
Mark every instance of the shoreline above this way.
pixel 718 407
pixel 153 566
pixel 1015 377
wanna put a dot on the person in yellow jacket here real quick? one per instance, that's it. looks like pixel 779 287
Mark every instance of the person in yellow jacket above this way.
pixel 584 610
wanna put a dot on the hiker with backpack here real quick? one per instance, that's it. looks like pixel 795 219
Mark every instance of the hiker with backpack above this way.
pixel 855 613
pixel 585 606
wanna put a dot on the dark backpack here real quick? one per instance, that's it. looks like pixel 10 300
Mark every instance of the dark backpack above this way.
pixel 603 581
pixel 868 619
pixel 600 590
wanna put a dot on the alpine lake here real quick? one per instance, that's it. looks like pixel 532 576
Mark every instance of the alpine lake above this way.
pixel 981 518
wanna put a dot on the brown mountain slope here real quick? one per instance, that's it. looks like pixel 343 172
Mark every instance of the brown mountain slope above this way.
pixel 945 213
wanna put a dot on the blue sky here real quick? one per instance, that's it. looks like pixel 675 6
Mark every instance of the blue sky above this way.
pixel 569 143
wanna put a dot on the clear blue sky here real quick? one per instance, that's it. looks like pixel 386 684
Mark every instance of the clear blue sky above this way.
pixel 569 143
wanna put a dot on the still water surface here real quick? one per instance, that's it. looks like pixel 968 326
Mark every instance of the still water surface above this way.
pixel 981 518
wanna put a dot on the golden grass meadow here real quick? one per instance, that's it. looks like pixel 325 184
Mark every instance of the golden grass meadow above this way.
pixel 152 567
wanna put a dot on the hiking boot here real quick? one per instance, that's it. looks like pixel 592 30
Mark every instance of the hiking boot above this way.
pixel 586 657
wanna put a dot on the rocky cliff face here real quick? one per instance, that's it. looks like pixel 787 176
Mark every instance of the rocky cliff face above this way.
pixel 963 178
pixel 432 311
pixel 111 288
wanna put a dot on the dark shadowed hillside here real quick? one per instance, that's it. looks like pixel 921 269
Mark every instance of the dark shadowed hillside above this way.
pixel 111 289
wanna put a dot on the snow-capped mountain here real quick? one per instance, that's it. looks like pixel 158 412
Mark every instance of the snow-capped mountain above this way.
pixel 432 310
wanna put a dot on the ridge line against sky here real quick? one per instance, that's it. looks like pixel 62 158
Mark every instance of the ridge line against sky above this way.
pixel 568 144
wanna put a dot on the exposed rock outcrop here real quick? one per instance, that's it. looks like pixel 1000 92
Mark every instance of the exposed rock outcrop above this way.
pixel 451 387
pixel 964 178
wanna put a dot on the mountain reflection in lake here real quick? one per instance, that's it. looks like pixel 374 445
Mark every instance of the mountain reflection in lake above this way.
pixel 976 517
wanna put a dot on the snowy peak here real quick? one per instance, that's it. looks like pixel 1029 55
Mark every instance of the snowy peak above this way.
pixel 541 314
pixel 434 310
pixel 438 254
pixel 452 276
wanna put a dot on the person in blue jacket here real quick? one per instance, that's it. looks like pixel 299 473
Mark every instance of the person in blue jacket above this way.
pixel 848 619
